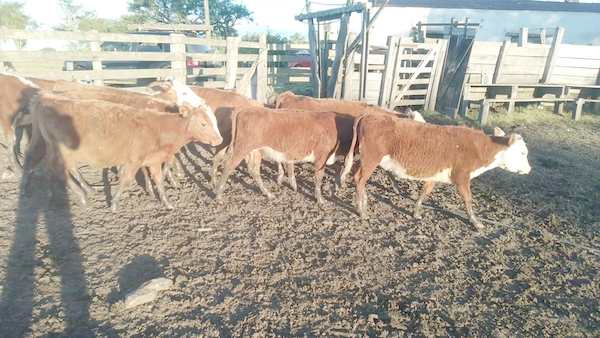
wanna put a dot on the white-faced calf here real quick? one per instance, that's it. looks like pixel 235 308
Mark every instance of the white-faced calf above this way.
pixel 432 153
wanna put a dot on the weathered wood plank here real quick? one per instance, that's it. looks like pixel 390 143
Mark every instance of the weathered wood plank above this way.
pixel 579 52
pixel 500 62
pixel 573 80
pixel 577 63
pixel 554 49
pixel 86 56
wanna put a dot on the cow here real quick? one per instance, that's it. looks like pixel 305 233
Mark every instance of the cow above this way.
pixel 106 134
pixel 15 94
pixel 354 109
pixel 283 135
pixel 223 103
pixel 431 153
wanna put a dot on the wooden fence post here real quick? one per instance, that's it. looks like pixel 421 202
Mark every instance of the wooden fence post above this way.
pixel 178 47
pixel 436 74
pixel 232 62
pixel 500 61
pixel 314 66
pixel 389 71
pixel 549 69
pixel 348 83
pixel 523 36
pixel 96 64
pixel 261 71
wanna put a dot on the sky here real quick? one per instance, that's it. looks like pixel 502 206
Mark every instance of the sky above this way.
pixel 275 15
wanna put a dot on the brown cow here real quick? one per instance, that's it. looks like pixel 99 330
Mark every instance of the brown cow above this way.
pixel 431 153
pixel 106 134
pixel 15 94
pixel 354 109
pixel 286 136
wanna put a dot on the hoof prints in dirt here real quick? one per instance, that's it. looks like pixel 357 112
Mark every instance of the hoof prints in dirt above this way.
pixel 286 266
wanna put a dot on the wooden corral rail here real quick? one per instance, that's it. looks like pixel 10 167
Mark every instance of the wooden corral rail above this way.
pixel 278 69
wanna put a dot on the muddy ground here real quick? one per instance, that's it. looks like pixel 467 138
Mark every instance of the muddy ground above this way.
pixel 253 267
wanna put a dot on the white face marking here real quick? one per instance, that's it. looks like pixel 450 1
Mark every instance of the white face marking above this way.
pixel 514 159
pixel 185 93
pixel 392 166
pixel 418 117
pixel 24 80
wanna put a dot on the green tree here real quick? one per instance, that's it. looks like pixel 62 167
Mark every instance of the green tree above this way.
pixel 107 25
pixel 224 14
pixel 12 16
pixel 298 38
pixel 72 14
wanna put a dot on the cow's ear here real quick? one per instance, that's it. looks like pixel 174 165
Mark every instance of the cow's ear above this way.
pixel 158 87
pixel 185 108
pixel 499 132
pixel 514 138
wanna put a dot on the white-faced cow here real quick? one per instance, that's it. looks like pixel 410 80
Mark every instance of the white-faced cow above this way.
pixel 431 153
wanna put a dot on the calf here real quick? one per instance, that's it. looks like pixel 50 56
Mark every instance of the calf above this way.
pixel 106 134
pixel 223 103
pixel 354 109
pixel 15 94
pixel 287 136
pixel 432 153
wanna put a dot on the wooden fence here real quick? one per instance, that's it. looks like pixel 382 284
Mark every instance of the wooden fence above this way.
pixel 238 58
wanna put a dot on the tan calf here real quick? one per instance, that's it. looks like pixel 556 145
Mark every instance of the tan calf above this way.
pixel 106 134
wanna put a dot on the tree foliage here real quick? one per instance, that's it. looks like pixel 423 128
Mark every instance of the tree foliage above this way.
pixel 13 16
pixel 224 14
pixel 108 25
pixel 298 38
pixel 72 14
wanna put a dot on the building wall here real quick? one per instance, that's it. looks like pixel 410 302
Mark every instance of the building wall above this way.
pixel 580 28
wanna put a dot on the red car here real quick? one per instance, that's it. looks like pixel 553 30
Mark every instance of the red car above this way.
pixel 300 63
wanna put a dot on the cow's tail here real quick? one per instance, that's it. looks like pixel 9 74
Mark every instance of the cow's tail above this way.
pixel 282 97
pixel 234 115
pixel 349 160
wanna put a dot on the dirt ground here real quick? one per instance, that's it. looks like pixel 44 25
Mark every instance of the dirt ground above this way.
pixel 289 267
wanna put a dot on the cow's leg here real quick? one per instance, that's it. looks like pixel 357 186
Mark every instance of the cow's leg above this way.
pixel 157 173
pixel 231 163
pixel 319 171
pixel 292 176
pixel 338 170
pixel 170 174
pixel 63 173
pixel 126 175
pixel 464 188
pixel 82 182
pixel 280 173
pixel 427 189
pixel 360 180
pixel 177 167
pixel 217 159
pixel 147 182
pixel 394 182
pixel 253 161
pixel 36 150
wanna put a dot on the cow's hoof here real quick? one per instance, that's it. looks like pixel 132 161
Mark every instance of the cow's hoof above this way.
pixel 115 208
pixel 417 215
pixel 478 225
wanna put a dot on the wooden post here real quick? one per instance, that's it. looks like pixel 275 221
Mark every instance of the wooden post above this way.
pixel 543 36
pixel 577 111
pixel 437 73
pixel 551 61
pixel 314 66
pixel 178 47
pixel 96 64
pixel 432 76
pixel 421 32
pixel 523 36
pixel 261 71
pixel 206 17
pixel 389 71
pixel 324 63
pixel 500 61
pixel 484 111
pixel 513 95
pixel 339 53
pixel 364 63
pixel 348 83
pixel 232 62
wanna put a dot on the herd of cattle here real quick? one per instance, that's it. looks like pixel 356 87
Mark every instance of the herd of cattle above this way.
pixel 103 127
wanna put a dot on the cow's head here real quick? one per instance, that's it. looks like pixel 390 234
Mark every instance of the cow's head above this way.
pixel 181 93
pixel 202 126
pixel 514 159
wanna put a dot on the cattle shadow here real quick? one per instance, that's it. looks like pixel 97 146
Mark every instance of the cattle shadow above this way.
pixel 18 299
